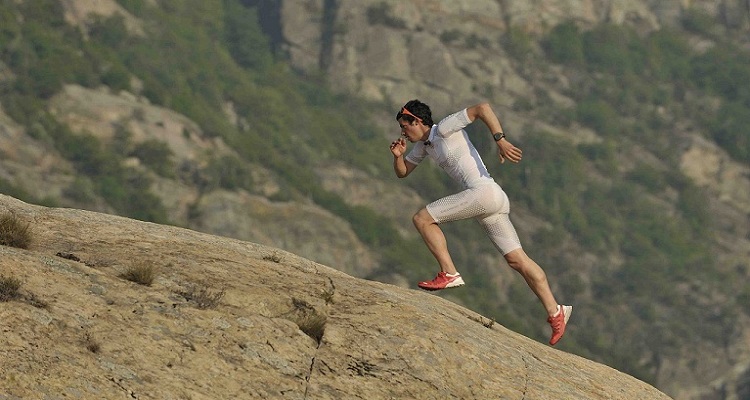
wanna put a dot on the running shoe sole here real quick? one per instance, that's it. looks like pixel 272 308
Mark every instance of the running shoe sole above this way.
pixel 568 310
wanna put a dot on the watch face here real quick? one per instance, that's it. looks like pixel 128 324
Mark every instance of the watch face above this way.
pixel 497 136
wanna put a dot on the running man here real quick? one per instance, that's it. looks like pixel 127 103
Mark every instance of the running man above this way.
pixel 448 144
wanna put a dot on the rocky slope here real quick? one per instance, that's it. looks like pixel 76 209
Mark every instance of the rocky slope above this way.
pixel 77 329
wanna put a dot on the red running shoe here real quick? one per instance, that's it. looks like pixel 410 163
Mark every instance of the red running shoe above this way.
pixel 442 281
pixel 559 322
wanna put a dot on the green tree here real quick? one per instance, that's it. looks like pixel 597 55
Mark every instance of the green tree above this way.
pixel 247 43
pixel 564 44
pixel 157 155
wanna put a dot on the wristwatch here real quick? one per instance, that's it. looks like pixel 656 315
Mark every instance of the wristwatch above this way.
pixel 497 136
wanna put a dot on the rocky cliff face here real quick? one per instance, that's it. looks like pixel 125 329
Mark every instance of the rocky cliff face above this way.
pixel 231 319
pixel 42 172
pixel 450 52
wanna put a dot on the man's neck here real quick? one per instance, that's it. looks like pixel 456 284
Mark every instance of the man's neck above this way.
pixel 426 134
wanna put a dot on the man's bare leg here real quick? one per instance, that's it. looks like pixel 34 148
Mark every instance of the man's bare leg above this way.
pixel 535 278
pixel 434 239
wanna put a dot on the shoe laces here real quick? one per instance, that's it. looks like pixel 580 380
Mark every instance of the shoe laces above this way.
pixel 557 321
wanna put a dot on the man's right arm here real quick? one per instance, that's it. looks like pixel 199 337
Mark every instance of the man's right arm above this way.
pixel 402 167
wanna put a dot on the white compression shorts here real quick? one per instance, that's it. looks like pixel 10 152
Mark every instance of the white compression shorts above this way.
pixel 486 202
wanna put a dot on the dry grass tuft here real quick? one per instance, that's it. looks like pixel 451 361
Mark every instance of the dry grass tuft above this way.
pixel 142 274
pixel 308 319
pixel 91 344
pixel 13 232
pixel 327 295
pixel 9 288
pixel 275 257
pixel 312 324
pixel 202 296
pixel 35 301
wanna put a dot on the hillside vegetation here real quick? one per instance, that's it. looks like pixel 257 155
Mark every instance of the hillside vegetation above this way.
pixel 647 224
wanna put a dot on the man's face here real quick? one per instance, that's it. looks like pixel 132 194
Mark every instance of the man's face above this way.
pixel 412 131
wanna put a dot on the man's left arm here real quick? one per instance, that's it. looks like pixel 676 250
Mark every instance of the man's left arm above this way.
pixel 505 149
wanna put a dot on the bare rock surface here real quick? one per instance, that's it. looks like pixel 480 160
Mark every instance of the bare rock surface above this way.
pixel 79 330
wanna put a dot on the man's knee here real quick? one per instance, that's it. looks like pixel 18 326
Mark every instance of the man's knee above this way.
pixel 517 260
pixel 422 218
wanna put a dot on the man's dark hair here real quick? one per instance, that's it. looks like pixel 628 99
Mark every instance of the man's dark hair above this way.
pixel 416 107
